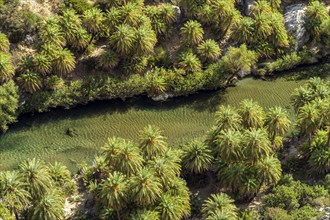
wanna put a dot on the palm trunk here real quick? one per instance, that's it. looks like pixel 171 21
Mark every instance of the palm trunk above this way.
pixel 226 29
pixel 90 41
pixel 118 214
pixel 16 215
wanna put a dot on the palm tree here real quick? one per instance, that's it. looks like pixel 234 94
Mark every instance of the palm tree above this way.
pixel 155 84
pixel 316 13
pixel 205 14
pixel 26 64
pixel 281 38
pixel 229 145
pixel 93 20
pixel 152 142
pixel 320 160
pixel 232 175
pixel 237 60
pixel 59 173
pixel 36 175
pixel 42 63
pixel 49 50
pixel 300 97
pixel 275 4
pixel 165 170
pixel 277 122
pixel 13 192
pixel 220 215
pixel 178 187
pixel 256 145
pixel 263 26
pixel 4 43
pixel 7 70
pixel 189 62
pixel 209 50
pixel 269 170
pixel 70 23
pixel 112 149
pixel 197 157
pixel 128 160
pixel 49 206
pixel 64 61
pixel 252 114
pixel 81 40
pixel 168 13
pixel 131 13
pixel 191 33
pixel 261 7
pixel 146 188
pixel 108 59
pixel 52 35
pixel 145 40
pixel 123 39
pixel 244 31
pixel 173 160
pixel 170 207
pixel 144 215
pixel 325 112
pixel 219 202
pixel 227 118
pixel 54 82
pixel 308 119
pixel 113 18
pixel 30 82
pixel 114 191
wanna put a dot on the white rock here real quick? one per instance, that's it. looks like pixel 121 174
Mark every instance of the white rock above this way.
pixel 294 18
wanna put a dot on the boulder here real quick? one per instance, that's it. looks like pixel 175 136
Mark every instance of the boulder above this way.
pixel 248 6
pixel 162 97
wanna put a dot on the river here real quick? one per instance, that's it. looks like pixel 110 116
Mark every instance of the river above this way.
pixel 44 135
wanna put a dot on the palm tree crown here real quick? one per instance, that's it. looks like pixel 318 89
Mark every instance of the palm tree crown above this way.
pixel 197 157
pixel 192 32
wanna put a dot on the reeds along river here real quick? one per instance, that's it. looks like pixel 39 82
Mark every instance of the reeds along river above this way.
pixel 45 135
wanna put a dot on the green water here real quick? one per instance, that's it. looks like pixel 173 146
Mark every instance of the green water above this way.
pixel 44 135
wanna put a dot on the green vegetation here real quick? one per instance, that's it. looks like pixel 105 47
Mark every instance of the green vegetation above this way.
pixel 78 51
pixel 261 140
pixel 145 178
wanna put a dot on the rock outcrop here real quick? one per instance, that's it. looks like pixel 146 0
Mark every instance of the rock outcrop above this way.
pixel 294 17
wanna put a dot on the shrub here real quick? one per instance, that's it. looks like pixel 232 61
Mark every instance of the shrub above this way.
pixel 8 104
pixel 276 214
pixel 288 61
pixel 305 213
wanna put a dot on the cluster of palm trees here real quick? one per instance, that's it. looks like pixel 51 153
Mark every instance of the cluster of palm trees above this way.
pixel 312 105
pixel 263 29
pixel 138 181
pixel 241 147
pixel 35 191
pixel 316 16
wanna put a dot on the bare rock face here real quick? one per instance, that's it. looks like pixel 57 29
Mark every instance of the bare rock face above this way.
pixel 294 18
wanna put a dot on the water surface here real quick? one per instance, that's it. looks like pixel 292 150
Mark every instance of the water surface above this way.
pixel 44 135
